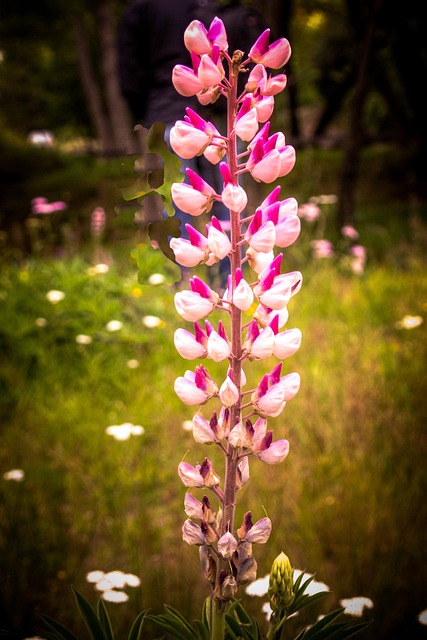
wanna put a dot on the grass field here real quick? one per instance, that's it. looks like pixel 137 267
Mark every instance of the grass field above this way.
pixel 348 503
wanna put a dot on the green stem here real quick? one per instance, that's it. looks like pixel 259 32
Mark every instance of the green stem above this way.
pixel 217 620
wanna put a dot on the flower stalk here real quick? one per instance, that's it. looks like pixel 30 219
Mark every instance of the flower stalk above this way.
pixel 239 428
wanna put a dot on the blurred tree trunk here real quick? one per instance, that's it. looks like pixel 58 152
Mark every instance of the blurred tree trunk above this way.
pixel 368 26
pixel 91 89
pixel 117 109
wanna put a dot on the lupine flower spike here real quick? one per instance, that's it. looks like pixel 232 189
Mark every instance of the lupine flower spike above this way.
pixel 257 288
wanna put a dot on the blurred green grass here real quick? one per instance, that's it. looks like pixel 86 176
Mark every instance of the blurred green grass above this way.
pixel 348 502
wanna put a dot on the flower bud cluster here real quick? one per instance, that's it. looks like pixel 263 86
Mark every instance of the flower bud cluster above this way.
pixel 256 282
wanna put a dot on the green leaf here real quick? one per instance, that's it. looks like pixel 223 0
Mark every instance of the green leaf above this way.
pixel 135 632
pixel 234 626
pixel 89 616
pixel 60 631
pixel 104 619
pixel 202 630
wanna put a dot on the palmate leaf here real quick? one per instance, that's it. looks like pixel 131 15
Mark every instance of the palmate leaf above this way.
pixel 90 618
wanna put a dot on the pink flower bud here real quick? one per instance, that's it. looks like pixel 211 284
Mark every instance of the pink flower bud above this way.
pixel 210 477
pixel 243 296
pixel 243 472
pixel 227 545
pixel 228 393
pixel 190 476
pixel 287 343
pixel 218 347
pixel 241 435
pixel 246 121
pixel 234 198
pixel 192 533
pixel 218 241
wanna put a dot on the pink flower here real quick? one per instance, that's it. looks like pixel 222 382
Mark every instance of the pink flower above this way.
pixel 190 476
pixel 261 232
pixel 218 241
pixel 259 532
pixel 309 211
pixel 233 196
pixel 242 295
pixel 192 533
pixel 210 73
pixel 322 248
pixel 191 136
pixel 274 56
pixel 273 452
pixel 263 84
pixel 193 507
pixel 200 40
pixel 259 344
pixel 287 343
pixel 202 430
pixel 228 393
pixel 191 346
pixel 194 198
pixel 197 303
pixel 270 158
pixel 350 232
pixel 227 545
pixel 195 387
pixel 218 345
pixel 246 121
pixel 186 80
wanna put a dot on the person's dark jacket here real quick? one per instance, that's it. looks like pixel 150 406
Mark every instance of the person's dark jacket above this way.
pixel 151 43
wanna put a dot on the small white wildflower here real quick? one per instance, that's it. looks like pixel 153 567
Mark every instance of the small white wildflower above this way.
pixel 409 322
pixel 115 596
pixel 187 425
pixel 81 338
pixel 132 364
pixel 151 322
pixel 98 268
pixel 356 606
pixel 41 322
pixel 258 587
pixel 54 296
pixel 422 617
pixel 124 431
pixel 132 580
pixel 156 278
pixel 95 576
pixel 17 475
pixel 114 325
pixel 267 610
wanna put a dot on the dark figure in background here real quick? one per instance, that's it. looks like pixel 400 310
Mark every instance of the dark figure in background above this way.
pixel 151 43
